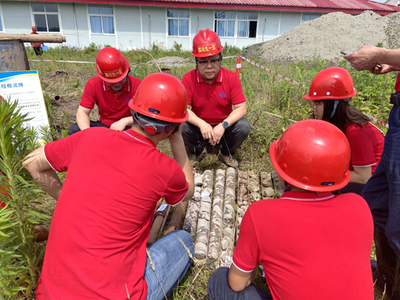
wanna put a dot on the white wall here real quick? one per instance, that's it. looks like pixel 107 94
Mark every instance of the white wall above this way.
pixel 140 27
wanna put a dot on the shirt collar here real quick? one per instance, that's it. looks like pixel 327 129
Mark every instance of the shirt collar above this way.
pixel 139 137
pixel 307 196
pixel 200 78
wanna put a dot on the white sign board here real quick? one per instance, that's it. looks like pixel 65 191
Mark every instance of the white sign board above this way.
pixel 24 87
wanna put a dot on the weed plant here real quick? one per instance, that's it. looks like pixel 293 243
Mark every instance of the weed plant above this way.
pixel 20 256
pixel 273 104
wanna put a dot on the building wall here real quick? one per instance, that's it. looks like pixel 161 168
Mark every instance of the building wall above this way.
pixel 138 27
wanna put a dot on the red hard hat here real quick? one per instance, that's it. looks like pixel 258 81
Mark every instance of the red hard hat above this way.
pixel 34 28
pixel 331 83
pixel 111 65
pixel 161 96
pixel 312 155
pixel 206 43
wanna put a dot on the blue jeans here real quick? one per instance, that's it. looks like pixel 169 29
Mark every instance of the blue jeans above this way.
pixel 218 288
pixel 382 191
pixel 233 137
pixel 171 261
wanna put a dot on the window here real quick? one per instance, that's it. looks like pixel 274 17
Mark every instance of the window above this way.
pixel 247 24
pixel 309 17
pixel 1 24
pixel 101 19
pixel 225 23
pixel 178 22
pixel 46 17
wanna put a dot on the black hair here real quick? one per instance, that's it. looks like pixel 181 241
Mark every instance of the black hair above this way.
pixel 152 120
pixel 345 114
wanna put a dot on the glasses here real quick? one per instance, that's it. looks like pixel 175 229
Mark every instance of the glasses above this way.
pixel 204 63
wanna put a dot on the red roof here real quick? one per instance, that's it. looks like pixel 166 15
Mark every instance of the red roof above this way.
pixel 322 6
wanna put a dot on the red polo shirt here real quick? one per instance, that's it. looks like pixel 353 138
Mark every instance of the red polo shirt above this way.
pixel 102 220
pixel 112 107
pixel 213 102
pixel 311 246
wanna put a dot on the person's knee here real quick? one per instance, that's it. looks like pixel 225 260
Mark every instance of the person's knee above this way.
pixel 186 239
pixel 218 280
pixel 73 129
pixel 244 126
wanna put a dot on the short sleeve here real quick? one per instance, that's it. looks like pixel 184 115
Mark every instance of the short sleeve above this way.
pixel 177 186
pixel 246 253
pixel 186 82
pixel 59 153
pixel 361 147
pixel 88 99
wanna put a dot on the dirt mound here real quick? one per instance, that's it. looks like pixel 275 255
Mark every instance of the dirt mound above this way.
pixel 325 37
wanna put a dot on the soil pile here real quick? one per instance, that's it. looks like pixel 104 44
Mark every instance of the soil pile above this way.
pixel 326 36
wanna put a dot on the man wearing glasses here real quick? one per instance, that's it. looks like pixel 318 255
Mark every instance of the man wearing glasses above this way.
pixel 218 105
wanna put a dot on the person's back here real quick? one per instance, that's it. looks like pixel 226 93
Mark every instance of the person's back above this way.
pixel 311 246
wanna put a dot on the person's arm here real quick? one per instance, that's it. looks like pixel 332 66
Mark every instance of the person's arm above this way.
pixel 360 174
pixel 205 128
pixel 122 124
pixel 82 117
pixel 41 171
pixel 239 111
pixel 369 57
pixel 239 280
pixel 179 154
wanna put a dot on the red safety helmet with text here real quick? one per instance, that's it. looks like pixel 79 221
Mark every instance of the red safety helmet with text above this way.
pixel 206 43
pixel 332 83
pixel 111 65
pixel 162 97
pixel 312 155
pixel 34 28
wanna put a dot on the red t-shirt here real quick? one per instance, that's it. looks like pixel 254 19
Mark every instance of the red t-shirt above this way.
pixel 101 223
pixel 397 84
pixel 366 145
pixel 112 107
pixel 213 102
pixel 311 246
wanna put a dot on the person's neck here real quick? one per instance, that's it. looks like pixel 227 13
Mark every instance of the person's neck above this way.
pixel 154 138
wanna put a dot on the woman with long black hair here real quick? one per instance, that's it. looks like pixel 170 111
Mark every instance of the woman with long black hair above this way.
pixel 330 92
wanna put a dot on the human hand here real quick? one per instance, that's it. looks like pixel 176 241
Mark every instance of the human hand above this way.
pixel 207 131
pixel 365 58
pixel 219 131
pixel 118 126
pixel 383 69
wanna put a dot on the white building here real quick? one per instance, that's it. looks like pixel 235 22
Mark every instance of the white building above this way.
pixel 130 24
